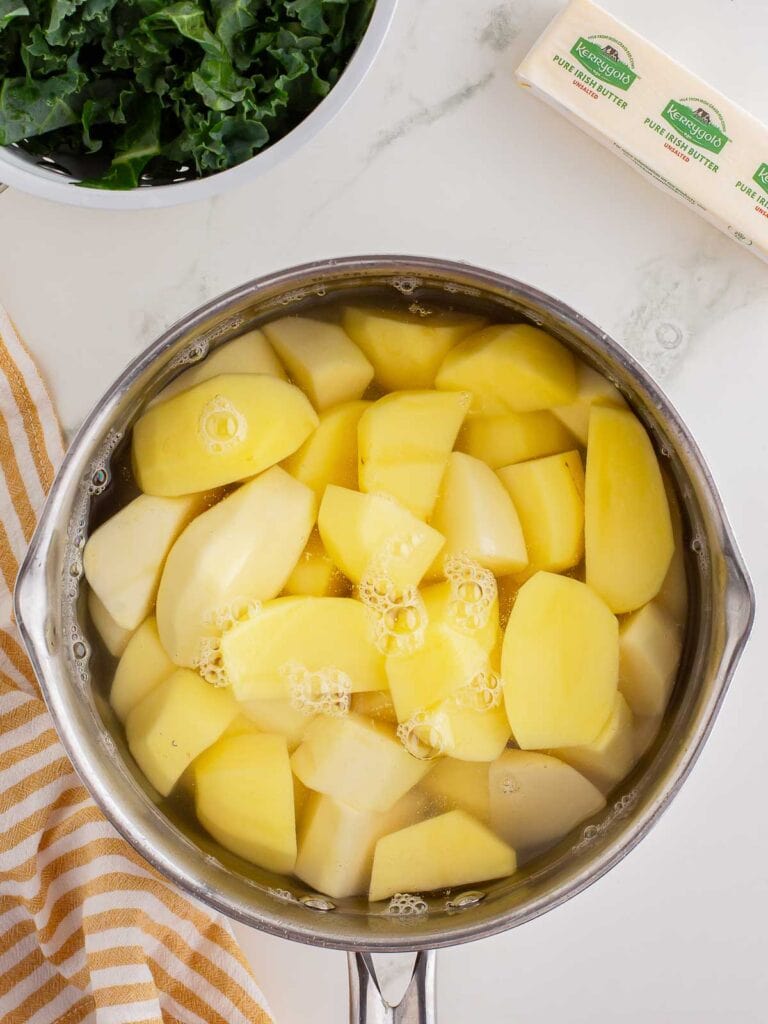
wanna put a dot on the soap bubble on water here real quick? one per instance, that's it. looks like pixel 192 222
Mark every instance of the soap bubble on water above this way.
pixel 473 591
pixel 426 734
pixel 405 904
pixel 210 662
pixel 326 691
pixel 221 425
pixel 398 618
pixel 482 693
pixel 240 609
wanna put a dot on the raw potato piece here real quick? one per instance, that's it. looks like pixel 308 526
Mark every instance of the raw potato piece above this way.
pixel 336 843
pixel 650 645
pixel 592 389
pixel 357 762
pixel 244 798
pixel 608 759
pixel 475 733
pixel 277 716
pixel 510 437
pixel 124 557
pixel 403 443
pixel 115 637
pixel 250 353
pixel 174 723
pixel 628 529
pixel 559 663
pixel 315 574
pixel 477 517
pixel 536 799
pixel 461 785
pixel 367 533
pixel 549 497
pixel 305 636
pixel 376 704
pixel 406 349
pixel 143 666
pixel 321 358
pixel 329 455
pixel 226 429
pixel 513 368
pixel 244 549
pixel 475 617
pixel 452 849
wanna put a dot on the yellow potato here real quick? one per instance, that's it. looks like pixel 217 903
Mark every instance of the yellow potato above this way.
pixel 459 785
pixel 240 726
pixel 376 704
pixel 608 758
pixel 370 534
pixel 403 443
pixel 477 517
pixel 474 613
pixel 450 850
pixel 336 843
pixel 115 638
pixel 226 429
pixel 315 573
pixel 628 529
pixel 536 799
pixel 406 349
pixel 242 550
pixel 174 723
pixel 549 497
pixel 250 353
pixel 358 762
pixel 592 389
pixel 244 798
pixel 650 645
pixel 510 437
pixel 475 733
pixel 510 368
pixel 295 641
pixel 142 667
pixel 321 358
pixel 329 455
pixel 559 663
pixel 279 717
pixel 124 557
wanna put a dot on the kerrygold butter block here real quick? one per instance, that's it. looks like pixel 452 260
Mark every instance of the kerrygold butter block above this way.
pixel 684 136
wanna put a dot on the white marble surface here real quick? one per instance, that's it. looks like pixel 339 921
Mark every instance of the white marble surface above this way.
pixel 438 153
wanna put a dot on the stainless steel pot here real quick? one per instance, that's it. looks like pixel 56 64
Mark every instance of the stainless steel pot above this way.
pixel 74 672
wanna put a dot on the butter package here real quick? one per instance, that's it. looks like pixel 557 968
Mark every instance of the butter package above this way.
pixel 684 136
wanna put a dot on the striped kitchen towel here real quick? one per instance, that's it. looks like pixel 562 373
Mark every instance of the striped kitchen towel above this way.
pixel 88 930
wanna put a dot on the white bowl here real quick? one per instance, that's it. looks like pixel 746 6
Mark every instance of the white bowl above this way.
pixel 20 170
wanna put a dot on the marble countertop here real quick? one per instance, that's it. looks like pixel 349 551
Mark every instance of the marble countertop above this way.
pixel 439 153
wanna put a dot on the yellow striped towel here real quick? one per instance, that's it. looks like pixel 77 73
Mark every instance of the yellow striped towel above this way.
pixel 88 931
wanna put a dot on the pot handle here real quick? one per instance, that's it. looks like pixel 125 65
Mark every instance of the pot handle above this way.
pixel 413 976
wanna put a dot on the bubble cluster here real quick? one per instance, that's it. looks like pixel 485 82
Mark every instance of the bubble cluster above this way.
pixel 418 310
pixel 404 904
pixel 426 734
pixel 398 617
pixel 473 591
pixel 210 662
pixel 229 615
pixel 327 691
pixel 482 693
pixel 221 425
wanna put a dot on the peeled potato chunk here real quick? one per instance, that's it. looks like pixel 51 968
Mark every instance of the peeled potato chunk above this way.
pixel 356 761
pixel 242 550
pixel 559 663
pixel 321 358
pixel 549 497
pixel 628 529
pixel 477 517
pixel 439 853
pixel 459 785
pixel 406 349
pixel 300 644
pixel 471 607
pixel 250 353
pixel 142 667
pixel 475 732
pixel 115 638
pixel 376 704
pixel 592 388
pixel 608 758
pixel 244 798
pixel 336 843
pixel 124 557
pixel 329 455
pixel 510 437
pixel 536 799
pixel 226 429
pixel 403 443
pixel 277 716
pixel 650 645
pixel 369 534
pixel 512 367
pixel 174 723
pixel 315 573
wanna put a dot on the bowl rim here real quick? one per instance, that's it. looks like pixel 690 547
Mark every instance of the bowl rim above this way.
pixel 19 171
pixel 318 929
